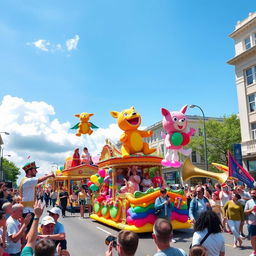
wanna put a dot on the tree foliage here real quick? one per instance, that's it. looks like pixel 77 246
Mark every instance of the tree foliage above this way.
pixel 11 171
pixel 220 137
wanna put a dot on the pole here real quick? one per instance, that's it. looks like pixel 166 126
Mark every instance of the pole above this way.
pixel 205 142
pixel 1 162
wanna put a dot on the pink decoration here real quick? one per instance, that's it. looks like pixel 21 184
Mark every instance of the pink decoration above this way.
pixel 102 173
pixel 175 124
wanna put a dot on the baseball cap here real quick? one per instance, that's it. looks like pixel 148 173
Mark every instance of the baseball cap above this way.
pixel 55 210
pixel 47 220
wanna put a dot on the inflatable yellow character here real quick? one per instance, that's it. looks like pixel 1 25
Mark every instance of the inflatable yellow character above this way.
pixel 84 126
pixel 132 139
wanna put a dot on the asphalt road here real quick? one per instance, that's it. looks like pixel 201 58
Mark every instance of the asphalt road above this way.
pixel 87 237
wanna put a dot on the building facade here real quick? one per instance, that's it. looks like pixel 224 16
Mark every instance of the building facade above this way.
pixel 244 37
pixel 172 175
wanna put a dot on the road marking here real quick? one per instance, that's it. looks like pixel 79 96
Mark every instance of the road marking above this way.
pixel 104 230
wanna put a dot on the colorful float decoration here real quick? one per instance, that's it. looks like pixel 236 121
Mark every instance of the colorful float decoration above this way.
pixel 84 126
pixel 129 120
pixel 175 124
pixel 132 211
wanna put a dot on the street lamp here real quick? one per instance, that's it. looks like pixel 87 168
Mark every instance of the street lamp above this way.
pixel 205 144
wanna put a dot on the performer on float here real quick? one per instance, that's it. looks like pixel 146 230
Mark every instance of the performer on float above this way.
pixel 146 182
pixel 28 185
pixel 158 180
pixel 76 158
pixel 134 178
pixel 119 179
pixel 86 157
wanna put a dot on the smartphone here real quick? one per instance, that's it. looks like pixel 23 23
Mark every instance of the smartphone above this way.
pixel 111 239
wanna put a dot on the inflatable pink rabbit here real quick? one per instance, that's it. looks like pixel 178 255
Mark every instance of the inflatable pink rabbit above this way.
pixel 175 124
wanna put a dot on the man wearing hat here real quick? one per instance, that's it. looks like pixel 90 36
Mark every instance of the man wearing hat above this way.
pixel 28 185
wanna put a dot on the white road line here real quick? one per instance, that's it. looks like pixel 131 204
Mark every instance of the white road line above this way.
pixel 105 231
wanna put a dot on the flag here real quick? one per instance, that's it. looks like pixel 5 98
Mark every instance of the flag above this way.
pixel 237 171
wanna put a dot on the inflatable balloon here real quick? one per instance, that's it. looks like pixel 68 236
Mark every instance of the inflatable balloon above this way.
pixel 61 168
pixel 100 180
pixel 89 183
pixel 102 173
pixel 94 178
pixel 84 126
pixel 93 187
pixel 175 124
pixel 129 120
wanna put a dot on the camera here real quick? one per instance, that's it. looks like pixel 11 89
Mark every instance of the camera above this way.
pixel 111 239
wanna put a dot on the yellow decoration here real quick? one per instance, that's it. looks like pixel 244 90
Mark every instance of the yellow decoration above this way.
pixel 94 178
pixel 132 139
pixel 84 127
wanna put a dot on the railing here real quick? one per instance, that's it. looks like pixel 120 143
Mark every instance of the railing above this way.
pixel 249 147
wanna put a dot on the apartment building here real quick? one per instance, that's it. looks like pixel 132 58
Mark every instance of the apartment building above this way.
pixel 244 62
pixel 172 175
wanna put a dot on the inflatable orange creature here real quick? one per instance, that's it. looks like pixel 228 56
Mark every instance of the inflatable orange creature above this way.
pixel 84 126
pixel 132 139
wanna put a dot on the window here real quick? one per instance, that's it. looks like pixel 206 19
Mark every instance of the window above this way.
pixel 251 164
pixel 253 128
pixel 193 157
pixel 250 75
pixel 247 43
pixel 251 99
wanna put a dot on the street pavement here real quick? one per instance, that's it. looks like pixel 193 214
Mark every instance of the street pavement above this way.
pixel 87 237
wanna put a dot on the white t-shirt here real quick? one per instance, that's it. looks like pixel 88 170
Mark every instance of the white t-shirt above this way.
pixel 13 227
pixel 28 192
pixel 214 243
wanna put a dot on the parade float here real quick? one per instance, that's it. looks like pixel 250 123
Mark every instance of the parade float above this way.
pixel 69 177
pixel 125 208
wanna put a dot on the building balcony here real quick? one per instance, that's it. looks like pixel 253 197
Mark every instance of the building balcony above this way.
pixel 249 148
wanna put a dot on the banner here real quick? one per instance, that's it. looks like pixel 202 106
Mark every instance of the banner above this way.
pixel 237 171
pixel 238 153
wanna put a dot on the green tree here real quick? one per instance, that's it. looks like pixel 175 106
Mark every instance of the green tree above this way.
pixel 11 171
pixel 220 137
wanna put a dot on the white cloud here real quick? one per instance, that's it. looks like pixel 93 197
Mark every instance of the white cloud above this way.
pixel 47 46
pixel 71 43
pixel 42 45
pixel 35 131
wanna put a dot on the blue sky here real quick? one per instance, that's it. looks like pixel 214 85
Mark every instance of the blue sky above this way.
pixel 149 54
pixel 143 53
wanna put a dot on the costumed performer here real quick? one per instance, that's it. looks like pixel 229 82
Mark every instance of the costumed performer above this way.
pixel 28 185
pixel 158 180
pixel 134 178
pixel 76 158
pixel 146 182
pixel 86 157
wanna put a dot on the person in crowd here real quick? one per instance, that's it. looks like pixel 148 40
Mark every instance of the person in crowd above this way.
pixel 127 244
pixel 39 193
pixel 15 231
pixel 162 235
pixel 245 196
pixel 73 200
pixel 16 200
pixel 44 246
pixel 146 182
pixel 28 185
pixel 234 213
pixel 198 205
pixel 63 196
pixel 2 232
pixel 88 201
pixel 76 158
pixel 119 178
pixel 53 196
pixel 134 177
pixel 158 180
pixel 82 201
pixel 190 195
pixel 128 187
pixel 46 197
pixel 208 227
pixel 250 211
pixel 225 196
pixel 163 205
pixel 198 250
pixel 207 191
pixel 215 204
pixel 86 157
pixel 7 208
pixel 217 188
pixel 59 231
